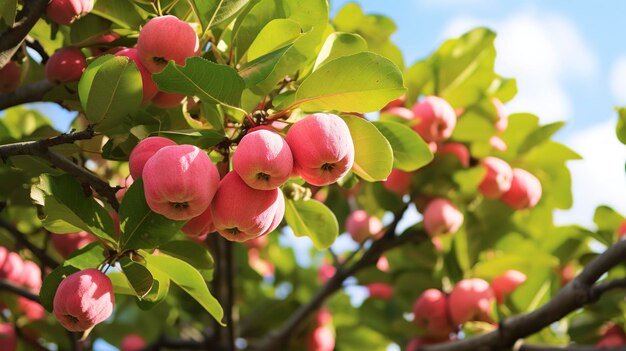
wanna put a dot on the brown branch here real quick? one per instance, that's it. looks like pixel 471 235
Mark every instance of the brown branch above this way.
pixel 527 347
pixel 11 39
pixel 574 295
pixel 41 148
pixel 279 338
pixel 25 93
pixel 16 289
pixel 23 240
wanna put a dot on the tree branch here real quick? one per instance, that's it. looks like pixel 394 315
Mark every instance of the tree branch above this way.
pixel 25 93
pixel 41 148
pixel 574 295
pixel 279 338
pixel 527 347
pixel 11 39
pixel 8 286
pixel 22 240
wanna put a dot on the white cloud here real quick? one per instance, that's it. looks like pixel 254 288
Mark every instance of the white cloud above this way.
pixel 541 51
pixel 599 178
pixel 618 80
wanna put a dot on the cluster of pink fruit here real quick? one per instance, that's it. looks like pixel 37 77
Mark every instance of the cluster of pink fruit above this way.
pixel 322 337
pixel 247 202
pixel 440 315
pixel 24 273
pixel 434 119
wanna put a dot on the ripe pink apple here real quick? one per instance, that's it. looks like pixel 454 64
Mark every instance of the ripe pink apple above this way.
pixel 12 267
pixel 263 160
pixel 31 276
pixel 200 226
pixel 497 143
pixel 143 151
pixel 401 112
pixel 180 181
pixel 322 148
pixel 506 283
pixel 382 264
pixel 613 336
pixel 381 291
pixel 471 300
pixel 167 100
pixel 326 272
pixel 241 213
pixel 398 182
pixel 166 38
pixel 8 339
pixel 132 342
pixel 457 150
pixel 399 102
pixel 65 65
pixel 65 244
pixel 497 179
pixel 435 117
pixel 31 309
pixel 68 11
pixel 361 226
pixel 149 87
pixel 9 76
pixel 503 119
pixel 431 313
pixel 83 299
pixel 442 217
pixel 525 190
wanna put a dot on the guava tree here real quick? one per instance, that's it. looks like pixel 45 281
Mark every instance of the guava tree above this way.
pixel 212 140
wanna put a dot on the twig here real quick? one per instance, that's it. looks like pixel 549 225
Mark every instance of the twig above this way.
pixel 25 93
pixel 22 240
pixel 527 347
pixel 11 39
pixel 16 289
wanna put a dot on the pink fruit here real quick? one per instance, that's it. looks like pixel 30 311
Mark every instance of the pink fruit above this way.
pixel 12 268
pixel 166 38
pixel 525 191
pixel 149 87
pixel 457 150
pixel 263 160
pixel 435 117
pixel 125 184
pixel 199 226
pixel 9 76
pixel 399 102
pixel 326 272
pixel 497 143
pixel 180 181
pixel 471 300
pixel 398 182
pixel 506 283
pixel 401 112
pixel 68 11
pixel 132 342
pixel 31 309
pixel 261 266
pixel 431 313
pixel 381 291
pixel 361 226
pixel 322 148
pixel 621 231
pixel 241 213
pixel 8 339
pixel 382 264
pixel 65 65
pixel 167 100
pixel 65 244
pixel 31 276
pixel 322 338
pixel 497 179
pixel 143 151
pixel 442 217
pixel 566 273
pixel 503 119
pixel 83 299
pixel 614 336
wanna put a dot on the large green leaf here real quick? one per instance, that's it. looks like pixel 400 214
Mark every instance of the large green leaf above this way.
pixel 258 70
pixel 276 34
pixel 139 277
pixel 208 81
pixel 190 280
pixel 120 12
pixel 194 254
pixel 214 12
pixel 340 44
pixel 202 138
pixel 410 151
pixel 311 218
pixel 140 227
pixel 362 82
pixel 373 155
pixel 67 208
pixel 620 129
pixel 8 10
pixel 109 90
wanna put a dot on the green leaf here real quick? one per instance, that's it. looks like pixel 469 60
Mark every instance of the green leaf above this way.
pixel 51 283
pixel 373 156
pixel 362 82
pixel 190 280
pixel 311 218
pixel 67 207
pixel 109 90
pixel 190 252
pixel 258 70
pixel 340 44
pixel 120 12
pixel 540 135
pixel 620 129
pixel 202 138
pixel 208 81
pixel 140 227
pixel 410 151
pixel 138 276
pixel 86 28
pixel 214 12
pixel 276 34
pixel 473 127
pixel 607 218
pixel 160 286
pixel 8 10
